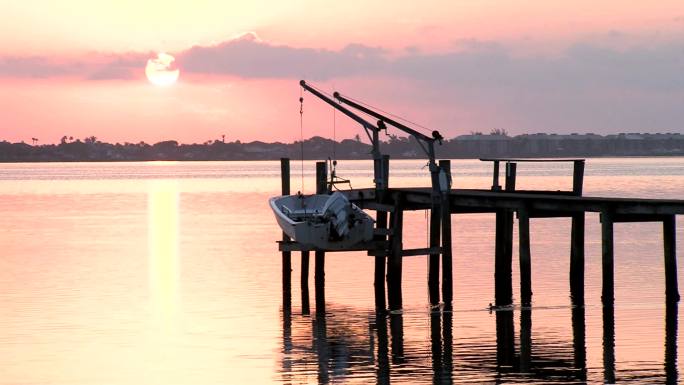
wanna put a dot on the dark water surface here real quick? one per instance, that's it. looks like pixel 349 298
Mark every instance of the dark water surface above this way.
pixel 168 273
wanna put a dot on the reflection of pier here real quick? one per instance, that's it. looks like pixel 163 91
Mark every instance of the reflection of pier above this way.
pixel 335 346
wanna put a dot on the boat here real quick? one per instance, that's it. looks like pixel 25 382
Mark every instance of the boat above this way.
pixel 325 222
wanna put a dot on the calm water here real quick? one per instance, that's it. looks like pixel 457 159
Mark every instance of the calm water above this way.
pixel 168 273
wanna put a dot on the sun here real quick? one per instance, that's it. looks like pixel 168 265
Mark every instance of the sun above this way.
pixel 161 71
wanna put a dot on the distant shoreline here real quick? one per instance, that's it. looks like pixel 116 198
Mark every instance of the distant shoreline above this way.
pixel 472 146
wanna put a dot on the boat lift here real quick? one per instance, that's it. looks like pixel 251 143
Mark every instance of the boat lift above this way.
pixel 372 131
pixel 389 256
pixel 440 180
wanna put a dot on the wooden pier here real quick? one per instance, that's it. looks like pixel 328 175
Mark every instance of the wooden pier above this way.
pixel 507 203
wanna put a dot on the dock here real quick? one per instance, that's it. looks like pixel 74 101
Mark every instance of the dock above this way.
pixel 508 203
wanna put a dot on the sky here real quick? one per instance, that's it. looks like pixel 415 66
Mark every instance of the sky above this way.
pixel 76 68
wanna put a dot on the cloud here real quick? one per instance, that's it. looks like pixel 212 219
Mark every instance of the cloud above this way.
pixel 124 67
pixel 95 66
pixel 473 64
pixel 582 66
pixel 250 57
pixel 36 67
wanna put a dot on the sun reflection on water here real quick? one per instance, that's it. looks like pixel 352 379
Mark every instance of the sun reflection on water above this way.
pixel 163 232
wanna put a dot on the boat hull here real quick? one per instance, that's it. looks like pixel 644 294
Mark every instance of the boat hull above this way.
pixel 307 220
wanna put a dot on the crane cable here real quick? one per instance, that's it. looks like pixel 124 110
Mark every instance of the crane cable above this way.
pixel 398 117
pixel 334 144
pixel 301 135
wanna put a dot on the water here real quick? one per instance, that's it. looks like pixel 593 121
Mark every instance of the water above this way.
pixel 168 273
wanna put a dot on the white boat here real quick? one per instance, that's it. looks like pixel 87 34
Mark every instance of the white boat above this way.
pixel 327 222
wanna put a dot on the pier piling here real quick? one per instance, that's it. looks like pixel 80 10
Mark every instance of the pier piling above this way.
pixel 304 281
pixel 670 250
pixel 525 258
pixel 577 238
pixel 381 223
pixel 436 220
pixel 394 261
pixel 286 255
pixel 319 276
pixel 433 258
pixel 495 177
pixel 577 177
pixel 577 258
pixel 607 257
pixel 503 249
pixel 447 264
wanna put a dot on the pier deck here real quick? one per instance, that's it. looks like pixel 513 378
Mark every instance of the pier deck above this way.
pixel 537 202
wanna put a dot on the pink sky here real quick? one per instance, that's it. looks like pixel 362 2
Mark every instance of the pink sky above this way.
pixel 76 68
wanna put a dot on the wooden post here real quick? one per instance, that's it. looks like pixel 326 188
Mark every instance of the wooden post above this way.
pixel 577 177
pixel 607 253
pixel 525 258
pixel 577 239
pixel 577 258
pixel 321 178
pixel 305 271
pixel 433 259
pixel 502 271
pixel 286 255
pixel 304 284
pixel 394 262
pixel 510 176
pixel 447 263
pixel 319 275
pixel 381 223
pixel 503 280
pixel 495 181
pixel 670 251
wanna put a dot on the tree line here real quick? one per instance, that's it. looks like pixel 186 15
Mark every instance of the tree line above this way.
pixel 474 145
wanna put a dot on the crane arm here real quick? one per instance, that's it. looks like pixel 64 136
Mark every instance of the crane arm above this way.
pixel 370 128
pixel 422 139
pixel 418 135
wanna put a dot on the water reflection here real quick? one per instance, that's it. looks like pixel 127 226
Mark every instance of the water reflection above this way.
pixel 609 344
pixel 579 343
pixel 441 341
pixel 379 325
pixel 670 375
pixel 540 358
pixel 163 240
pixel 328 346
pixel 671 317
pixel 335 346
